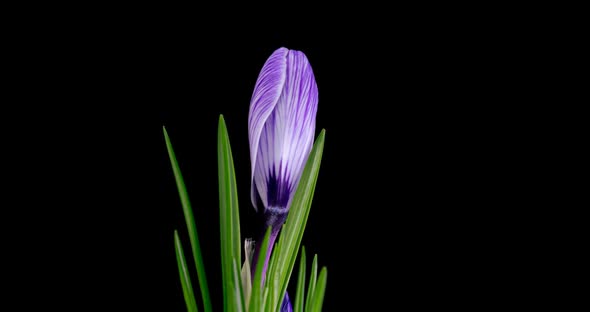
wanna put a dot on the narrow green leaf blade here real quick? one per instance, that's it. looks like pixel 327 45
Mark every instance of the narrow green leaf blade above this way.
pixel 229 217
pixel 298 213
pixel 264 300
pixel 257 287
pixel 190 224
pixel 185 279
pixel 238 290
pixel 270 276
pixel 312 282
pixel 320 291
pixel 298 305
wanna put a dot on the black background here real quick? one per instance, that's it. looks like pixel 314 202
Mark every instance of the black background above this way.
pixel 408 193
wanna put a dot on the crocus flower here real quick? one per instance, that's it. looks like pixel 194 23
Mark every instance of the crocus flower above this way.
pixel 281 128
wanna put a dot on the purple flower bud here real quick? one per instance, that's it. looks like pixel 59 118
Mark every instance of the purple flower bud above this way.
pixel 281 128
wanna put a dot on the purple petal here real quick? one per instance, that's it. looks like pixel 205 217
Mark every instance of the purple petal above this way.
pixel 286 305
pixel 266 94
pixel 287 136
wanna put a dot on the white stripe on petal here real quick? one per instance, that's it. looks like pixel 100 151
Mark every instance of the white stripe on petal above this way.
pixel 264 99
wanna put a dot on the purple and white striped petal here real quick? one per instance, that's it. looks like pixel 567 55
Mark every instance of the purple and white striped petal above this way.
pixel 266 95
pixel 286 137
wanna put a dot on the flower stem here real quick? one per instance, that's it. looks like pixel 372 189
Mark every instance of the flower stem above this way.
pixel 273 236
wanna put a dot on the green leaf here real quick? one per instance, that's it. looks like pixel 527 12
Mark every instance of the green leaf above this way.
pixel 265 299
pixel 292 233
pixel 273 290
pixel 256 300
pixel 190 225
pixel 320 290
pixel 274 282
pixel 312 282
pixel 298 304
pixel 229 216
pixel 238 290
pixel 185 279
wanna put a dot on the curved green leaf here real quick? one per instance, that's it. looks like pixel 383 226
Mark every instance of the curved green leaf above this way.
pixel 320 290
pixel 190 225
pixel 229 215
